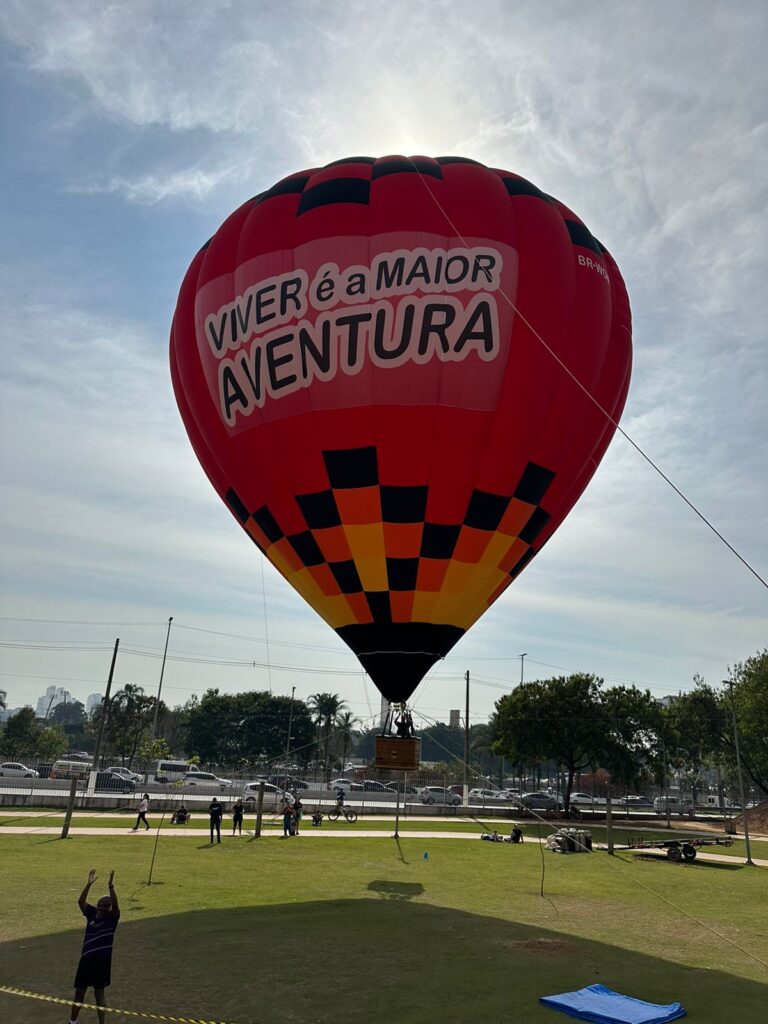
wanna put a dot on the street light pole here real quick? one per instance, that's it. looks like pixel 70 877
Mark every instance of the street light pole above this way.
pixel 522 666
pixel 160 685
pixel 466 742
pixel 290 725
pixel 103 719
pixel 729 684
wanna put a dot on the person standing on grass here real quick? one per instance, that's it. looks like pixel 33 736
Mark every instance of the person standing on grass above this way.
pixel 215 812
pixel 298 814
pixel 142 815
pixel 287 818
pixel 237 817
pixel 95 967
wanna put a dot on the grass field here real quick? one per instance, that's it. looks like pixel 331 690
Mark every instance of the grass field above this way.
pixel 477 824
pixel 270 931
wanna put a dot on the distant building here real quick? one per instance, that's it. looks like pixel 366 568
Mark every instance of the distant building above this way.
pixel 53 695
pixel 668 701
pixel 8 714
pixel 455 720
pixel 92 702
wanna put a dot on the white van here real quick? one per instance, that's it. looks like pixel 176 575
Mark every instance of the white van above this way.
pixel 173 771
pixel 675 805
pixel 713 800
pixel 63 769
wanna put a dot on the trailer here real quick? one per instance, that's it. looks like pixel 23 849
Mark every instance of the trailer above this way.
pixel 678 849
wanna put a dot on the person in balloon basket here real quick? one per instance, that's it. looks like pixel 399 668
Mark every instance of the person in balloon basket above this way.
pixel 142 814
pixel 95 967
pixel 215 813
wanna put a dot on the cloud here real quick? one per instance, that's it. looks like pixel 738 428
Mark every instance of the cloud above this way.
pixel 193 184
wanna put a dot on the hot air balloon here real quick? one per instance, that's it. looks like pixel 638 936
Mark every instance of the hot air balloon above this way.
pixel 400 374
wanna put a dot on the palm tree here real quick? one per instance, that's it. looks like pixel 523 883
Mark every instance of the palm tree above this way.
pixel 345 729
pixel 325 709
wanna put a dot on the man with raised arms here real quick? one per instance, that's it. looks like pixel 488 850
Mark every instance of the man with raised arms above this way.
pixel 95 967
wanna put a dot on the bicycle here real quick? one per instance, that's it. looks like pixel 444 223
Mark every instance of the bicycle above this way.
pixel 347 812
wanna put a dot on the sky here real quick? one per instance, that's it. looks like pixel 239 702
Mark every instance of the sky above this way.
pixel 131 130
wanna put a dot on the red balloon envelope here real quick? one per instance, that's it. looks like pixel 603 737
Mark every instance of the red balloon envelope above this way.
pixel 355 357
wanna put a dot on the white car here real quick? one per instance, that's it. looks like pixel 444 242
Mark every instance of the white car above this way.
pixel 14 768
pixel 346 784
pixel 584 800
pixel 206 779
pixel 439 795
pixel 273 795
pixel 127 774
pixel 486 796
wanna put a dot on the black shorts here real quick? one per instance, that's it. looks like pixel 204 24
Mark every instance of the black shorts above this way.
pixel 93 972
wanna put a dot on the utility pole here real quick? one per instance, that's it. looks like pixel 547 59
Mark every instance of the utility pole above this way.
pixel 466 743
pixel 522 666
pixel 729 684
pixel 288 738
pixel 102 720
pixel 153 734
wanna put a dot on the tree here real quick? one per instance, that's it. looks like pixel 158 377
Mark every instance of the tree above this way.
pixel 71 717
pixel 51 742
pixel 21 735
pixel 3 699
pixel 750 697
pixel 129 719
pixel 247 727
pixel 325 709
pixel 68 713
pixel 574 723
pixel 345 733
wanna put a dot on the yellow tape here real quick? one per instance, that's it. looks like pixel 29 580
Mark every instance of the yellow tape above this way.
pixel 107 1009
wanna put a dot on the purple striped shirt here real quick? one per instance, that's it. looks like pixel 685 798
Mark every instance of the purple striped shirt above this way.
pixel 99 932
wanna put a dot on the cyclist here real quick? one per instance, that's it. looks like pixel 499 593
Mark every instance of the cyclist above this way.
pixel 339 797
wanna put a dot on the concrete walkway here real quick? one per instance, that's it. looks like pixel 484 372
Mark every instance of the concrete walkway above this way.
pixel 316 833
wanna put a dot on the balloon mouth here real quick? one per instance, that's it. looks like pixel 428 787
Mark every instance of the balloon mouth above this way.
pixel 397 655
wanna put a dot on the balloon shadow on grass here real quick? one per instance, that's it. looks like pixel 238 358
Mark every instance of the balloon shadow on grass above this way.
pixel 396 958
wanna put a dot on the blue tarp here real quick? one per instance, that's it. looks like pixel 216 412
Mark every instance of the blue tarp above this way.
pixel 601 1005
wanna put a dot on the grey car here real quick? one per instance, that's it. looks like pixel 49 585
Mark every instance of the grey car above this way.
pixel 542 801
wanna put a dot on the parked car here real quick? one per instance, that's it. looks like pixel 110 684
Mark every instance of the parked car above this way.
pixel 78 755
pixel 372 786
pixel 675 804
pixel 486 796
pixel 126 773
pixel 638 802
pixel 272 794
pixel 439 795
pixel 542 801
pixel 110 782
pixel 345 784
pixel 206 779
pixel 288 781
pixel 584 800
pixel 402 787
pixel 14 769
